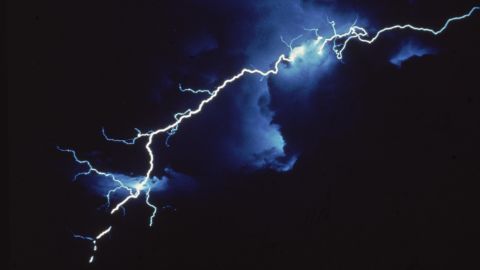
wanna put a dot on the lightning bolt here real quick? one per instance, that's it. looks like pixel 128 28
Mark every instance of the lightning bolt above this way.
pixel 339 42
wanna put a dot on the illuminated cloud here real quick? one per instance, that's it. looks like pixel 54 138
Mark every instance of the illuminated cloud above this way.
pixel 409 50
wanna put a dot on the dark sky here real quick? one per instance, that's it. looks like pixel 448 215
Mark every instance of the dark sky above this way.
pixel 387 156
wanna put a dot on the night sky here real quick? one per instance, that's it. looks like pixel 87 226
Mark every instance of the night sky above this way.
pixel 371 162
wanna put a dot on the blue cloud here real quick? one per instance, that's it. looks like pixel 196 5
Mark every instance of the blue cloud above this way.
pixel 409 50
pixel 260 143
pixel 170 182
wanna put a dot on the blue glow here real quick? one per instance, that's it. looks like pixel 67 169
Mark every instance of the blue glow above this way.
pixel 258 142
pixel 409 50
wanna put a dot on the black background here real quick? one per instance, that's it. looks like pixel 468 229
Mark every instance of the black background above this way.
pixel 390 184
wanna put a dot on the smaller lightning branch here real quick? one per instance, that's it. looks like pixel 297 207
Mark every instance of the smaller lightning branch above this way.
pixel 170 133
pixel 94 241
pixel 294 51
pixel 127 141
pixel 92 170
pixel 290 44
pixel 337 42
pixel 147 201
pixel 193 91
